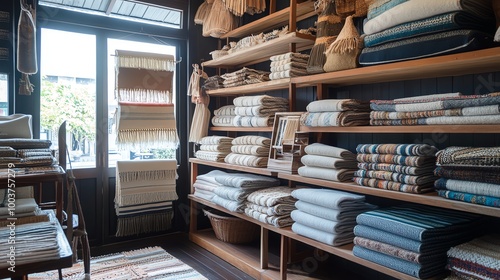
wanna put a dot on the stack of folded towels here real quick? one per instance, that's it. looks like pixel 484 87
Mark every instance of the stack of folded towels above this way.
pixel 235 187
pixel 469 174
pixel 398 30
pixel 412 239
pixel 214 148
pixel 397 167
pixel 21 207
pixel 288 65
pixel 271 206
pixel 328 163
pixel 224 116
pixel 327 216
pixel 258 110
pixel 205 184
pixel 336 112
pixel 244 76
pixel 437 109
pixel 26 153
pixel 476 259
pixel 250 151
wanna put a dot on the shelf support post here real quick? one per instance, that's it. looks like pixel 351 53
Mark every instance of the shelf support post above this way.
pixel 264 248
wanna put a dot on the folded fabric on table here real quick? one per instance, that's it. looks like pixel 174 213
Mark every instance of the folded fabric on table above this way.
pixel 206 186
pixel 488 119
pixel 396 177
pixel 277 221
pixel 321 236
pixel 345 118
pixel 272 196
pixel 415 161
pixel 411 11
pixel 347 213
pixel 407 267
pixel 246 180
pixel 252 121
pixel 434 24
pixel 448 42
pixel 328 162
pixel 231 205
pixel 211 156
pixel 216 140
pixel 278 66
pixel 246 160
pixel 322 224
pixel 477 188
pixel 251 140
pixel 210 176
pixel 476 258
pixel 397 149
pixel 255 150
pixel 329 198
pixel 321 149
pixel 337 175
pixel 469 174
pixel 258 100
pixel 227 110
pixel 403 169
pixel 420 222
pixel 230 193
pixel 276 210
pixel 466 111
pixel 22 205
pixel 215 148
pixel 337 105
pixel 469 156
pixel 259 111
pixel 294 72
pixel 203 194
pixel 393 186
pixel 470 198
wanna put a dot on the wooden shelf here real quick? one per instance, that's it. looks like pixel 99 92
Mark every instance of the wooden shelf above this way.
pixel 252 88
pixel 260 171
pixel 242 129
pixel 481 61
pixel 459 128
pixel 263 52
pixel 431 199
pixel 272 21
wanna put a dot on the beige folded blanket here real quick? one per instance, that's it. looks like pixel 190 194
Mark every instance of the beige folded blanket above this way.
pixel 251 140
pixel 255 150
pixel 246 160
pixel 321 149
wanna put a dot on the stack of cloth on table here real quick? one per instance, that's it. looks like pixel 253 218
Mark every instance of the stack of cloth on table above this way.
pixel 205 184
pixel 336 112
pixel 476 259
pixel 19 207
pixel 288 65
pixel 397 167
pixel 213 82
pixel 257 110
pixel 413 239
pixel 20 152
pixel 250 151
pixel 235 187
pixel 271 206
pixel 328 163
pixel 244 76
pixel 33 242
pixel 469 174
pixel 214 148
pixel 399 30
pixel 437 109
pixel 224 116
pixel 145 190
pixel 327 216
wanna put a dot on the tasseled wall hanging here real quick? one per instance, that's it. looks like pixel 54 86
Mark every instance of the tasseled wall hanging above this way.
pixel 26 47
pixel 145 190
pixel 201 116
pixel 145 115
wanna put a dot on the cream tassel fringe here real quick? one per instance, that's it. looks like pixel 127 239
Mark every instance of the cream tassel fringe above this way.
pixel 149 63
pixel 152 138
pixel 154 175
pixel 152 197
pixel 144 223
pixel 144 95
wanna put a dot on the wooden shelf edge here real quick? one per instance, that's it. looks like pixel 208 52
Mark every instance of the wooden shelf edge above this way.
pixel 480 61
pixel 431 199
pixel 246 169
pixel 242 129
pixel 252 88
pixel 456 128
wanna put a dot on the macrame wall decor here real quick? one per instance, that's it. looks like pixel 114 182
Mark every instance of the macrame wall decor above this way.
pixel 145 119
pixel 26 47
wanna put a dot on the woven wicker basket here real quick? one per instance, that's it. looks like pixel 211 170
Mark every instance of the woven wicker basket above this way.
pixel 231 229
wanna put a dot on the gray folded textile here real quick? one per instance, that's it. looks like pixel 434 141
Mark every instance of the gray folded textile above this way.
pixel 321 236
pixel 246 180
pixel 272 196
pixel 328 162
pixel 337 175
pixel 277 221
pixel 328 198
pixel 23 205
pixel 276 210
pixel 322 224
pixel 346 213
pixel 210 176
pixel 231 205
pixel 203 194
pixel 230 193
pixel 321 149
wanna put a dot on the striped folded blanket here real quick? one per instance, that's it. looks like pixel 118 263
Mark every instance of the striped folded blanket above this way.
pixel 323 224
pixel 251 140
pixel 346 118
pixel 329 198
pixel 345 214
pixel 230 193
pixel 204 194
pixel 397 177
pixel 259 100
pixel 231 205
pixel 216 140
pixel 470 198
pixel 276 210
pixel 416 161
pixel 280 66
pixel 272 196
pixel 21 143
pixel 377 7
pixel 211 156
pixel 337 175
pixel 259 111
pixel 210 176
pixel 322 236
pixel 252 121
pixel 216 148
pixel 328 162
pixel 223 120
pixel 321 149
pixel 337 105
pixel 227 110
pixel 255 150
pixel 469 156
pixel 393 186
pixel 246 160
pixel 294 72
pixel 469 174
pixel 477 188
pixel 489 119
pixel 289 55
pixel 144 208
pixel 245 180
pixel 466 111
pixel 397 149
pixel 277 221
pixel 402 169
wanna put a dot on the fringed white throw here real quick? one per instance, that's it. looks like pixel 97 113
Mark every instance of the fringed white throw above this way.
pixel 144 192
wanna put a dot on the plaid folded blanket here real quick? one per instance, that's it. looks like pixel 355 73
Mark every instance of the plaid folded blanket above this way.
pixel 397 149
pixel 393 186
pixel 403 169
pixel 337 105
pixel 346 118
pixel 469 174
pixel 469 156
pixel 415 161
pixel 397 177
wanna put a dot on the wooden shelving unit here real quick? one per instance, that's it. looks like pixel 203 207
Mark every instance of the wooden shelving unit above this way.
pixel 458 128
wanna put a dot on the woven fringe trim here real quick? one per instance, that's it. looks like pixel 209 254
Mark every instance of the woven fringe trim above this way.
pixel 131 176
pixel 145 63
pixel 144 224
pixel 135 199
pixel 152 138
pixel 343 46
pixel 144 95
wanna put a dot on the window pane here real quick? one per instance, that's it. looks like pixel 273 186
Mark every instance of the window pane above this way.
pixel 68 92
pixel 114 153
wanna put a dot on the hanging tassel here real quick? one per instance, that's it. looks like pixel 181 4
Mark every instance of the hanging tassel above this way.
pixel 347 40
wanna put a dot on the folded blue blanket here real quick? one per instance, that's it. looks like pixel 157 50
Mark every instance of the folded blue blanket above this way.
pixel 328 198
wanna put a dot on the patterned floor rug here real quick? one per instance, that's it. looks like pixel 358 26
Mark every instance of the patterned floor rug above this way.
pixel 152 263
